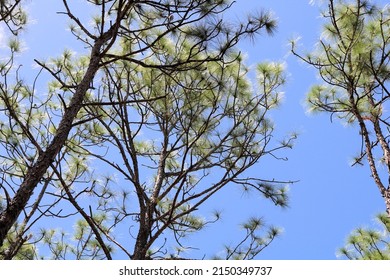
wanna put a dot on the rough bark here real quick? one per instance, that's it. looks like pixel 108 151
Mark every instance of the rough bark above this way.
pixel 34 175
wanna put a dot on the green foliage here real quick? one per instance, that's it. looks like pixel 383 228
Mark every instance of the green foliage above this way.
pixel 13 15
pixel 206 122
pixel 81 244
pixel 140 133
pixel 349 58
pixel 25 252
pixel 352 60
pixel 369 244
pixel 19 246
pixel 254 241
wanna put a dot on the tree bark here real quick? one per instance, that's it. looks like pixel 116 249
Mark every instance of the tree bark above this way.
pixel 34 175
pixel 145 230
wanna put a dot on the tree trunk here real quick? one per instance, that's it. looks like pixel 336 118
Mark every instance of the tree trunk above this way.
pixel 145 230
pixel 35 174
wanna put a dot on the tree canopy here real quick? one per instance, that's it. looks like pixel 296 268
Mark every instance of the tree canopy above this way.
pixel 369 244
pixel 352 59
pixel 132 138
pixel 122 146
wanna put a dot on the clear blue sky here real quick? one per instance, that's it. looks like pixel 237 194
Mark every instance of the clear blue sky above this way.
pixel 330 199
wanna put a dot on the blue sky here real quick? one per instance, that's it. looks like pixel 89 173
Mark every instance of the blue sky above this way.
pixel 331 198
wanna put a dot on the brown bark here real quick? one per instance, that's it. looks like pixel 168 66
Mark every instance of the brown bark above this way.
pixel 34 175
pixel 385 191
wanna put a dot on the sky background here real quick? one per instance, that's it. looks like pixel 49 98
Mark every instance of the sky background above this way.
pixel 330 199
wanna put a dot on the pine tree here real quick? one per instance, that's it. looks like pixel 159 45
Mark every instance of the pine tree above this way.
pixel 352 59
pixel 369 244
pixel 137 135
